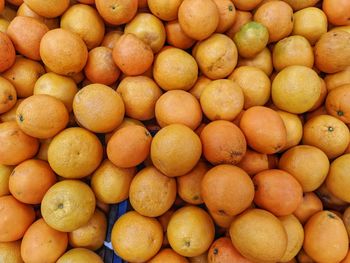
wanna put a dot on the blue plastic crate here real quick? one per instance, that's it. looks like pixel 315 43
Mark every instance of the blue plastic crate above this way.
pixel 115 212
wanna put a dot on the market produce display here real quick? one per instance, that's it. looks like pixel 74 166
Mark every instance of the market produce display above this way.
pixel 220 128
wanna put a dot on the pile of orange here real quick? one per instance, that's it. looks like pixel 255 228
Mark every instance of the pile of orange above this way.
pixel 225 123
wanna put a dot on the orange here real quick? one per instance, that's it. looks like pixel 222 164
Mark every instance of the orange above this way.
pixel 194 13
pixel 60 87
pixel 16 146
pixel 322 98
pixel 254 162
pixel 85 22
pixel 330 200
pixel 311 23
pixel 322 231
pixel 67 58
pixel 199 86
pixel 117 12
pixel 4 24
pixel 294 127
pixel 264 129
pixel 129 146
pixel 338 11
pixel 5 172
pixel 227 15
pixel 98 108
pixel 277 191
pixel 178 106
pixel 251 39
pixel 172 65
pixel 296 89
pixel 337 79
pixel 100 66
pixel 41 243
pixel 223 251
pixel 132 55
pixel 241 18
pixel 328 134
pixel 332 53
pixel 301 4
pixel 11 252
pixel 176 36
pixel 111 38
pixel 27 44
pixel 44 146
pixel 190 231
pixel 337 103
pixel 251 235
pixel 68 205
pixel 75 153
pixel 23 75
pixel 246 5
pixel 254 83
pixel 91 235
pixel 189 185
pixel 30 181
pixel 8 95
pixel 111 183
pixel 167 11
pixel 48 9
pixel 222 99
pixel 15 218
pixel 295 236
pixel 140 94
pixel 223 143
pixel 277 17
pixel 168 255
pixel 293 50
pixel 80 255
pixel 175 150
pixel 158 189
pixel 262 60
pixel 224 184
pixel 310 205
pixel 149 29
pixel 336 180
pixel 126 122
pixel 308 164
pixel 216 56
pixel 136 238
pixel 7 52
pixel 42 116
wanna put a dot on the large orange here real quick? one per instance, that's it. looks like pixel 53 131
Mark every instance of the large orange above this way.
pixel 30 181
pixel 41 243
pixel 68 205
pixel 337 11
pixel 224 184
pixel 15 218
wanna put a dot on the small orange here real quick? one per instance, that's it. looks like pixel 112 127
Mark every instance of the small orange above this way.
pixel 5 172
pixel 178 106
pixel 246 5
pixel 168 255
pixel 15 218
pixel 48 9
pixel 194 13
pixel 199 86
pixel 337 103
pixel 42 116
pixel 173 64
pixel 301 4
pixel 241 18
pixel 117 12
pixel 294 128
pixel 43 243
pixel 227 15
pixel 129 146
pixel 80 255
pixel 91 235
pixel 310 205
pixel 100 66
pixel 75 153
pixel 176 36
pixel 337 11
pixel 277 16
pixel 67 58
pixel 337 79
pixel 140 94
pixel 7 52
pixel 23 76
pixel 85 22
pixel 132 55
pixel 11 252
pixel 111 38
pixel 8 95
pixel 98 108
pixel 27 44
pixel 30 181
pixel 16 146
pixel 167 11
pixel 262 60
